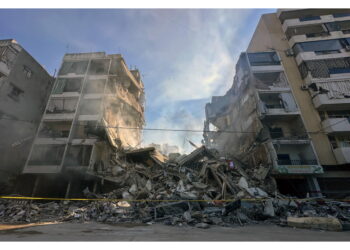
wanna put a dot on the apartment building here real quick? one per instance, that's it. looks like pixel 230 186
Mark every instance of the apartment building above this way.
pixel 311 48
pixel 95 108
pixel 25 87
pixel 259 122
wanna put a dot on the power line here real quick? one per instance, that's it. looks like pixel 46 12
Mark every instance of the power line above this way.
pixel 165 129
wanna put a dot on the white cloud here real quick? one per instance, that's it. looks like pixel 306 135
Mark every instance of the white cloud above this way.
pixel 208 68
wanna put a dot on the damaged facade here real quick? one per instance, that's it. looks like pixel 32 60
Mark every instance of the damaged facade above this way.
pixel 24 90
pixel 95 109
pixel 260 124
pixel 297 69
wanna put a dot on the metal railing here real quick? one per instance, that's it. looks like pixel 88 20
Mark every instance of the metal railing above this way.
pixel 297 162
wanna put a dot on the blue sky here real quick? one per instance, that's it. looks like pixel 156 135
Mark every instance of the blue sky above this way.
pixel 185 55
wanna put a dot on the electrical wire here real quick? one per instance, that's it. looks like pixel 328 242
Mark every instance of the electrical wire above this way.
pixel 164 129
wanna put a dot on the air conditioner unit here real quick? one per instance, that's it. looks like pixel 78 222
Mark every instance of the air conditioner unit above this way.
pixel 289 52
pixel 304 87
pixel 347 47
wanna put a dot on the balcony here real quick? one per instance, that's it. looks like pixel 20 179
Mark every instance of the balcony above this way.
pixel 298 167
pixel 324 102
pixel 291 140
pixel 324 55
pixel 279 110
pixel 295 159
pixel 336 125
pixel 277 104
pixel 314 20
pixel 317 37
pixel 264 62
pixel 342 155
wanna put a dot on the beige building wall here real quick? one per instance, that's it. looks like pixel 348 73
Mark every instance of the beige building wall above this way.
pixel 269 36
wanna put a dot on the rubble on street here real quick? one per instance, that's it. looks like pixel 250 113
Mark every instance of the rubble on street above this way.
pixel 198 190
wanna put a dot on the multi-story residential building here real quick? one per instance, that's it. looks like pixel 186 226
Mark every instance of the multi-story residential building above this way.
pixel 259 122
pixel 96 106
pixel 311 46
pixel 25 87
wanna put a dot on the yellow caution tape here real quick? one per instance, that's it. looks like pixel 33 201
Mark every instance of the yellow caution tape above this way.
pixel 148 200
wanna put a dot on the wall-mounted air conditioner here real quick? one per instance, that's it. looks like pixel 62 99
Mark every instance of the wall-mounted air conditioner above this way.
pixel 304 87
pixel 289 52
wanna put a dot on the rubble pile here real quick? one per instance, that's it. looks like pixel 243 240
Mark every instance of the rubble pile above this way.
pixel 197 190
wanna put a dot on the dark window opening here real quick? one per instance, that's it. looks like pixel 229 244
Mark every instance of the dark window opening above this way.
pixel 341 15
pixel 276 133
pixel 309 18
pixel 27 72
pixel 99 67
pixel 15 92
pixel 292 187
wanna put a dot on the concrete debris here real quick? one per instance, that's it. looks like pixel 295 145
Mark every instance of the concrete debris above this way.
pixel 211 193
pixel 330 224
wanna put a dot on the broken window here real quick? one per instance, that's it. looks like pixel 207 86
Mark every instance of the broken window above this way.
pixel 27 72
pixel 88 130
pixel 99 67
pixel 55 129
pixel 95 86
pixel 15 92
pixel 64 105
pixel 270 79
pixel 271 100
pixel 47 155
pixel 67 85
pixel 78 155
pixel 73 67
pixel 263 58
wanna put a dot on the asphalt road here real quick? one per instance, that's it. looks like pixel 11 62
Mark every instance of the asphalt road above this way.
pixel 130 232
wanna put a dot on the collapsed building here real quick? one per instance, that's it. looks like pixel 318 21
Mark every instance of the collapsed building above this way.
pixel 96 109
pixel 24 90
pixel 288 106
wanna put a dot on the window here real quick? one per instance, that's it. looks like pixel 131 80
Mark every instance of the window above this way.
pixel 263 58
pixel 339 70
pixel 309 18
pixel 319 47
pixel 15 92
pixel 341 15
pixel 27 72
pixel 336 26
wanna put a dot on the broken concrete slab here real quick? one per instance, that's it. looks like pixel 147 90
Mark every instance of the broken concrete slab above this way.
pixel 323 223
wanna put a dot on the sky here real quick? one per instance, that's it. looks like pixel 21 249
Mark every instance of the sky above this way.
pixel 185 56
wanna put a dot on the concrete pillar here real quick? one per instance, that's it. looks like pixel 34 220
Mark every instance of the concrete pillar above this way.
pixel 36 184
pixel 68 189
pixel 314 187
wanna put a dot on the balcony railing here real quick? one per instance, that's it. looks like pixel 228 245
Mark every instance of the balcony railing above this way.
pixel 297 162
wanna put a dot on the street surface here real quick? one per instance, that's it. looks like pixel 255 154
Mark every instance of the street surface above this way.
pixel 93 231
